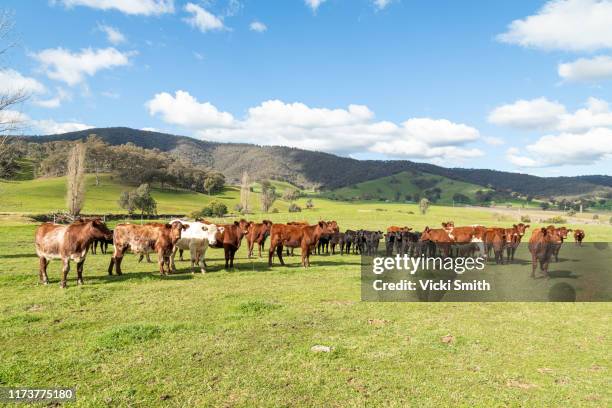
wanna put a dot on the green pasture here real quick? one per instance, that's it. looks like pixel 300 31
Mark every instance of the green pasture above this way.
pixel 243 338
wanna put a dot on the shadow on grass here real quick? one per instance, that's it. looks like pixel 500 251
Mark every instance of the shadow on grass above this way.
pixel 18 256
pixel 562 274
pixel 97 280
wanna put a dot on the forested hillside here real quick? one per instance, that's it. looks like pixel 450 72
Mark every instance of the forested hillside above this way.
pixel 324 171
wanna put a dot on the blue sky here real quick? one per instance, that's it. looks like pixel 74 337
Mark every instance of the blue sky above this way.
pixel 519 86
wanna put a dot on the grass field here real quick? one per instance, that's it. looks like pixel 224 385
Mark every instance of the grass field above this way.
pixel 244 338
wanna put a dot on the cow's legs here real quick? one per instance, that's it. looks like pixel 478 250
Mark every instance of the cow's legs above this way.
pixel 250 245
pixel 160 263
pixel 65 270
pixel 260 247
pixel 116 260
pixel 94 244
pixel 271 253
pixel 42 270
pixel 279 253
pixel 226 250
pixel 80 272
pixel 172 265
pixel 180 251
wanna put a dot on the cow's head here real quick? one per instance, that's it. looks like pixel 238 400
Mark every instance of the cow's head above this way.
pixel 176 229
pixel 99 230
pixel 243 227
pixel 211 231
pixel 521 228
pixel 448 224
pixel 426 235
pixel 324 227
pixel 333 225
pixel 563 232
pixel 267 225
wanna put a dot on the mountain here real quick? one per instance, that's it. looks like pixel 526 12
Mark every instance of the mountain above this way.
pixel 325 171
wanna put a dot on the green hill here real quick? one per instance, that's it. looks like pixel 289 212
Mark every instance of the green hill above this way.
pixel 47 194
pixel 406 186
pixel 324 171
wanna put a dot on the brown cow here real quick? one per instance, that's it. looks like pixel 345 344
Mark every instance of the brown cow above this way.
pixel 579 236
pixel 394 228
pixel 439 237
pixel 542 244
pixel 562 232
pixel 142 239
pixel 257 233
pixel 230 239
pixel 516 237
pixel 305 237
pixel 466 237
pixel 67 242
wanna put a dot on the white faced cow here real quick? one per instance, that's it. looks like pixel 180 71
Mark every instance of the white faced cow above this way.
pixel 196 239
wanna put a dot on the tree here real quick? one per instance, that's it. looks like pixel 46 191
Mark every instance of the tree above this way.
pixel 294 208
pixel 424 205
pixel 75 179
pixel 461 198
pixel 268 195
pixel 244 192
pixel 144 201
pixel 98 156
pixel 214 183
pixel 126 201
pixel 545 205
pixel 10 96
pixel 139 199
pixel 291 194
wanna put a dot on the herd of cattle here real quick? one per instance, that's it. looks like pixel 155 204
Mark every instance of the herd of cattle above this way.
pixel 72 242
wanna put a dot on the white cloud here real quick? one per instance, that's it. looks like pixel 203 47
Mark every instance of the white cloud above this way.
pixel 596 114
pixel 493 141
pixel 537 113
pixel 381 4
pixel 12 82
pixel 55 101
pixel 144 7
pixel 314 4
pixel 51 127
pixel 199 56
pixel 113 35
pixel 63 65
pixel 585 148
pixel 184 110
pixel 345 131
pixel 587 69
pixel 8 117
pixel 574 25
pixel 202 19
pixel 258 26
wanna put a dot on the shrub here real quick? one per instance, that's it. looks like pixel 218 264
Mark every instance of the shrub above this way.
pixel 595 216
pixel 213 209
pixel 555 220
pixel 525 218
pixel 274 210
pixel 294 208
pixel 571 213
pixel 238 207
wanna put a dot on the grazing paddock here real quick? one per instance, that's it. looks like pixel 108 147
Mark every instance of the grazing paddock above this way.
pixel 221 338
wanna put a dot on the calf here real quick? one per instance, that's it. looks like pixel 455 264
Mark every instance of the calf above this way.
pixel 579 236
pixel 142 239
pixel 257 233
pixel 337 239
pixel 304 237
pixel 67 242
pixel 542 244
pixel 230 240
pixel 370 241
pixel 103 245
pixel 196 239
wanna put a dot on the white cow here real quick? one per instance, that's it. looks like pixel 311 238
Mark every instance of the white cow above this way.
pixel 196 239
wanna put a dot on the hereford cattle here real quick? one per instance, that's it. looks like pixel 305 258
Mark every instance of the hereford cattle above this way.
pixel 579 236
pixel 466 237
pixel 497 240
pixel 230 240
pixel 257 233
pixel 196 238
pixel 67 242
pixel 142 239
pixel 542 244
pixel 304 237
